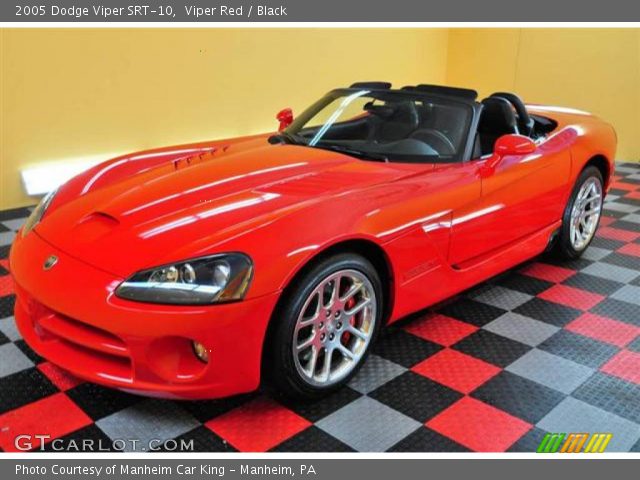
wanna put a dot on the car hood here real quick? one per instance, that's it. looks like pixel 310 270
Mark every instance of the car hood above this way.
pixel 183 208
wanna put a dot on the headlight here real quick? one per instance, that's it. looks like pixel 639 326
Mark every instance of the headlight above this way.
pixel 38 213
pixel 201 281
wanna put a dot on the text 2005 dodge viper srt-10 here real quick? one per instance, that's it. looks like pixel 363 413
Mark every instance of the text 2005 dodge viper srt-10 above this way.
pixel 200 270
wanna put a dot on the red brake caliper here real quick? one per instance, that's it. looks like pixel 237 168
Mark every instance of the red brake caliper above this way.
pixel 346 336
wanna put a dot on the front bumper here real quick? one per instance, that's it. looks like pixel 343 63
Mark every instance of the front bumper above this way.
pixel 70 315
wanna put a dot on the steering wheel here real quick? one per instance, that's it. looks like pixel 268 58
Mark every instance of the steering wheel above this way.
pixel 525 122
pixel 436 139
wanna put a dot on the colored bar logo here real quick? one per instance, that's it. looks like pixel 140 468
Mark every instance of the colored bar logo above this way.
pixel 574 443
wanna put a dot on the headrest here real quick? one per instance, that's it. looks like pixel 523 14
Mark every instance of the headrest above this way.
pixel 497 116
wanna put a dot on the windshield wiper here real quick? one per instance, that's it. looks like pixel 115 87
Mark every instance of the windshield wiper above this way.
pixel 286 137
pixel 380 157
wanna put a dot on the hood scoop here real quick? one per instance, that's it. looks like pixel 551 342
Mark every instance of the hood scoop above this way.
pixel 95 226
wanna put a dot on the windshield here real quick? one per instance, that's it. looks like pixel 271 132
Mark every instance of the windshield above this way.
pixel 401 126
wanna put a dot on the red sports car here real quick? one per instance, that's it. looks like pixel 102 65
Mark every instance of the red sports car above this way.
pixel 199 270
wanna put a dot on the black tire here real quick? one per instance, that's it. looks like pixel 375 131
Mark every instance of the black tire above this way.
pixel 564 249
pixel 279 367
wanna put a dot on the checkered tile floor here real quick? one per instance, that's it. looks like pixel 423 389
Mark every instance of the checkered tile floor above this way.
pixel 547 347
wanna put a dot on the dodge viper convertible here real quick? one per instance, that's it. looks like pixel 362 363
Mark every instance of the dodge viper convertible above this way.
pixel 204 270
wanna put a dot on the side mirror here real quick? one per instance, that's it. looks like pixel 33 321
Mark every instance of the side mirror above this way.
pixel 514 145
pixel 511 144
pixel 285 117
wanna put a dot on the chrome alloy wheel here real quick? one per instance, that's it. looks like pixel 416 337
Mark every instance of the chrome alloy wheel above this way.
pixel 585 213
pixel 334 327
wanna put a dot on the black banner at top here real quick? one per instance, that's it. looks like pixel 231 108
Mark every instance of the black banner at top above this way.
pixel 170 11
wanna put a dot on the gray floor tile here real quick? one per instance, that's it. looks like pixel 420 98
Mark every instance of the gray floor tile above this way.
pixel 573 415
pixel 620 207
pixel 148 420
pixel 13 360
pixel 628 293
pixel 550 370
pixel 521 328
pixel 375 372
pixel 595 253
pixel 8 328
pixel 632 217
pixel 502 297
pixel 368 426
pixel 625 169
pixel 6 238
pixel 14 224
pixel 611 272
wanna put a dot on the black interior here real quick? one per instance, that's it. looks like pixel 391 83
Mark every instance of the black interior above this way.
pixel 498 118
pixel 525 122
pixel 429 122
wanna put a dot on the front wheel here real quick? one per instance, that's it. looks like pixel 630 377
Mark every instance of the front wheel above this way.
pixel 325 326
pixel 582 214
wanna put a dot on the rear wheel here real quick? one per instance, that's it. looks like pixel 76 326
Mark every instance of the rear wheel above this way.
pixel 325 327
pixel 582 214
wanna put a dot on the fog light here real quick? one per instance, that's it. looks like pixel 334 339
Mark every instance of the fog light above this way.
pixel 201 352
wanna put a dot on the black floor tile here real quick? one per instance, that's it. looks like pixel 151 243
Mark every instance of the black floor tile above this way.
pixel 416 396
pixel 612 394
pixel 525 283
pixel 619 310
pixel 492 348
pixel 14 213
pixel 318 409
pixel 471 311
pixel 200 439
pixel 593 284
pixel 205 410
pixel 426 440
pixel 312 440
pixel 606 243
pixel 578 348
pixel 89 439
pixel 530 442
pixel 7 304
pixel 622 260
pixel 24 387
pixel 549 312
pixel 98 401
pixel 518 396
pixel 403 348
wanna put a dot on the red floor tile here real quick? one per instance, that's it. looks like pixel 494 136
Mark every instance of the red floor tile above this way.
pixel 571 297
pixel 625 364
pixel 59 377
pixel 604 220
pixel 630 249
pixel 55 416
pixel 625 186
pixel 617 234
pixel 456 370
pixel 258 425
pixel 479 426
pixel 440 329
pixel 604 329
pixel 6 285
pixel 633 195
pixel 550 273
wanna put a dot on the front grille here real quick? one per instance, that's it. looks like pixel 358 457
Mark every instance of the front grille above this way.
pixel 77 343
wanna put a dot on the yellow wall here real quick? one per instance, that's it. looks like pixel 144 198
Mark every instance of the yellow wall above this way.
pixel 78 93
pixel 597 70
